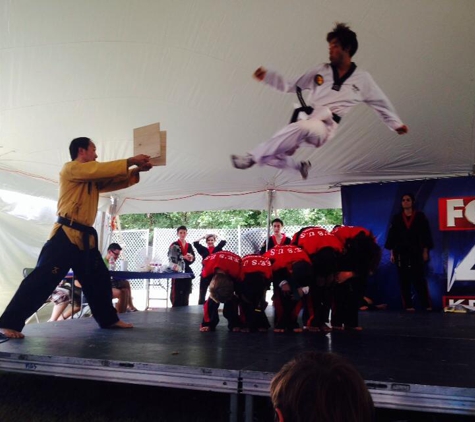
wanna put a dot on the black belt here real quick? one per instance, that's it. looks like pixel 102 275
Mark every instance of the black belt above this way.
pixel 307 109
pixel 86 232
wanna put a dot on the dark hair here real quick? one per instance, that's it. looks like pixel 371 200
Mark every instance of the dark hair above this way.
pixel 410 195
pixel 181 228
pixel 322 387
pixel 210 235
pixel 277 220
pixel 221 288
pixel 361 255
pixel 77 143
pixel 114 247
pixel 345 36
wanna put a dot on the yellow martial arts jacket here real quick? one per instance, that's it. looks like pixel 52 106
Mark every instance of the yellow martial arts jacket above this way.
pixel 79 188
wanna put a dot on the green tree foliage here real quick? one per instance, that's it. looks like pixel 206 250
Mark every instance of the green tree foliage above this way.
pixel 229 219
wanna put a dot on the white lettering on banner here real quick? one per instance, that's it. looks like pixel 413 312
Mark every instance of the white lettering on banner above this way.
pixel 470 212
pixel 453 212
pixel 464 270
pixel 454 302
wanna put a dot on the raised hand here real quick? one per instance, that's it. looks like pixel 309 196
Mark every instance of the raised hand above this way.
pixel 260 73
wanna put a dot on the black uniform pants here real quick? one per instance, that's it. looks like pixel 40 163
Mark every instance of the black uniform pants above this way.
pixel 56 258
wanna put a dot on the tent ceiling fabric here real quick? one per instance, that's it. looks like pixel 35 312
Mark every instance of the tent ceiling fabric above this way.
pixel 100 68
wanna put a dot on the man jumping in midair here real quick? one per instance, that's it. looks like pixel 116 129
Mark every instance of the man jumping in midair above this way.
pixel 335 88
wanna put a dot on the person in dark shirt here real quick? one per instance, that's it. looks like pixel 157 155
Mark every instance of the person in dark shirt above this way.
pixel 410 240
pixel 206 251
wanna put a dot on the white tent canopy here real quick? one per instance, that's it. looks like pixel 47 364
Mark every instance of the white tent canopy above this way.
pixel 100 68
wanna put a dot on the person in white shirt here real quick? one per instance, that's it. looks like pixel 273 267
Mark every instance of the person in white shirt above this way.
pixel 335 88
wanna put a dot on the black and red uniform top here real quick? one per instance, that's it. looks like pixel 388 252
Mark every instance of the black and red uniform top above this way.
pixel 226 261
pixel 313 239
pixel 256 264
pixel 285 256
pixel 348 232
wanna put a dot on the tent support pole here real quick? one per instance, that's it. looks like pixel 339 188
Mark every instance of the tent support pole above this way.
pixel 270 203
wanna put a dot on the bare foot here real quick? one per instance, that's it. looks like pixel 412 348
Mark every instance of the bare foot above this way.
pixel 122 324
pixel 11 333
pixel 236 330
pixel 313 329
pixel 262 330
pixel 337 327
pixel 382 306
pixel 279 330
pixel 354 328
pixel 297 330
pixel 204 329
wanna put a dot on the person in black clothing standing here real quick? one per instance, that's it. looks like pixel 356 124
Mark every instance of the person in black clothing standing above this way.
pixel 278 238
pixel 181 287
pixel 205 252
pixel 409 240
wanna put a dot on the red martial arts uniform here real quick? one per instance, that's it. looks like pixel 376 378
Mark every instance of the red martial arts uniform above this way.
pixel 230 264
pixel 291 264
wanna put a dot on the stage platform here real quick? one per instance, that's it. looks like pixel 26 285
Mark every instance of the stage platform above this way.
pixel 415 361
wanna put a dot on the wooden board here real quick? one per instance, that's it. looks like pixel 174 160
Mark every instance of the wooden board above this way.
pixel 150 140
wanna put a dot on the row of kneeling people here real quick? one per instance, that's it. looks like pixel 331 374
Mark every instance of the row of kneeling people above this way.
pixel 316 272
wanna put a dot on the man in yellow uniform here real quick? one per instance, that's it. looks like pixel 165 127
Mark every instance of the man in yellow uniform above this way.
pixel 73 240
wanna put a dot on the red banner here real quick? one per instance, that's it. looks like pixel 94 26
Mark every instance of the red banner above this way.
pixel 457 213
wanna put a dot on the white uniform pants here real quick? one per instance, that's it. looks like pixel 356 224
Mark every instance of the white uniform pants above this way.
pixel 315 131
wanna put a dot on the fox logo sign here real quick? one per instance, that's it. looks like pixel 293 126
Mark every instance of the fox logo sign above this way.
pixel 457 213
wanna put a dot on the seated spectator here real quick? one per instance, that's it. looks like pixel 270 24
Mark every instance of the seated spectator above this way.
pixel 321 387
pixel 61 297
pixel 205 252
pixel 120 288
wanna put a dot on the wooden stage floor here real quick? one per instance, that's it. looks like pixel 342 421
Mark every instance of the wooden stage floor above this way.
pixel 414 361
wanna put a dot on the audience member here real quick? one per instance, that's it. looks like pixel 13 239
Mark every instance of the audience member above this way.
pixel 181 287
pixel 120 288
pixel 205 252
pixel 61 297
pixel 320 387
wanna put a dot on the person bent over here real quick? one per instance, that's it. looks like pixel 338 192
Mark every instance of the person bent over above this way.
pixel 256 273
pixel 360 259
pixel 323 249
pixel 225 268
pixel 292 274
